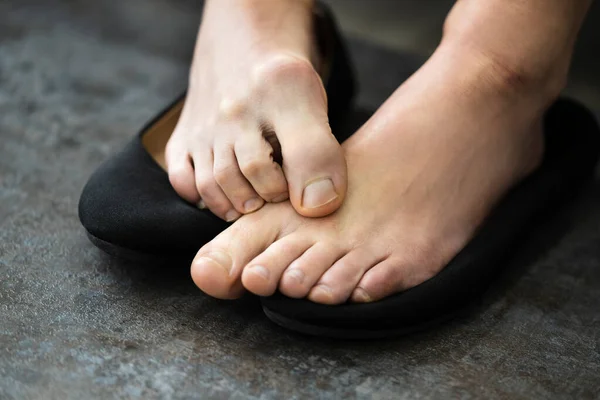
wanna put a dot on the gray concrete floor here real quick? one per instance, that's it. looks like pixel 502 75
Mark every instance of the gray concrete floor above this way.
pixel 77 79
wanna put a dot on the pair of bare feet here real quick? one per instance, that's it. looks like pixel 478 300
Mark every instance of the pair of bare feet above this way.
pixel 396 201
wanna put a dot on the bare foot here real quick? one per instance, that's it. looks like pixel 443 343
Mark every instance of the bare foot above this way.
pixel 253 83
pixel 424 172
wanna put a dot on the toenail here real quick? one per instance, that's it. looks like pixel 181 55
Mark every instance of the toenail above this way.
pixel 295 274
pixel 217 258
pixel 322 290
pixel 361 296
pixel 260 270
pixel 319 193
pixel 232 215
pixel 253 204
pixel 201 205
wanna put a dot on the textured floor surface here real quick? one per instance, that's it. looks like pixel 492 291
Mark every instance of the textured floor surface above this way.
pixel 77 79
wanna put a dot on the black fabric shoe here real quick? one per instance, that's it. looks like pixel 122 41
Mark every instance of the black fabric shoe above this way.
pixel 572 149
pixel 128 206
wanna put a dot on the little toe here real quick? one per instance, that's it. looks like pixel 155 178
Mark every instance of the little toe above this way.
pixel 384 279
pixel 261 276
pixel 181 173
pixel 341 279
pixel 304 272
pixel 396 274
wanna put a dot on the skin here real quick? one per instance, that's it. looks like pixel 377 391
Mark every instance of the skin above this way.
pixel 423 172
pixel 253 84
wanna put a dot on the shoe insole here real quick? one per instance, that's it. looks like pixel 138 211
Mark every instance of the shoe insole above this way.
pixel 156 136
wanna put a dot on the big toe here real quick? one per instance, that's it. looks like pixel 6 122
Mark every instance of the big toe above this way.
pixel 316 174
pixel 218 266
pixel 313 160
pixel 212 272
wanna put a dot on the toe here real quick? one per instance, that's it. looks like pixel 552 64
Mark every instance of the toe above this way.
pixel 303 273
pixel 384 279
pixel 181 172
pixel 233 183
pixel 262 274
pixel 211 194
pixel 212 272
pixel 218 266
pixel 343 276
pixel 313 161
pixel 396 274
pixel 314 166
pixel 255 158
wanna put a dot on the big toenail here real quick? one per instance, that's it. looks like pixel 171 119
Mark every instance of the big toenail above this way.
pixel 295 274
pixel 253 204
pixel 319 193
pixel 201 205
pixel 219 258
pixel 232 215
pixel 360 296
pixel 260 270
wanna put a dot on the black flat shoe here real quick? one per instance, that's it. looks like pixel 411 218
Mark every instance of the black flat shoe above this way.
pixel 128 206
pixel 572 149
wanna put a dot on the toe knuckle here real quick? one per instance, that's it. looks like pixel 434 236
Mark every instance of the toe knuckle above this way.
pixel 222 174
pixel 231 109
pixel 206 185
pixel 254 167
pixel 295 155
pixel 284 248
pixel 325 152
pixel 281 67
pixel 329 148
pixel 274 196
pixel 176 173
pixel 179 177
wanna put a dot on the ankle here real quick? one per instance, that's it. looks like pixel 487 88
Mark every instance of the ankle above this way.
pixel 512 77
pixel 273 18
pixel 527 46
pixel 258 27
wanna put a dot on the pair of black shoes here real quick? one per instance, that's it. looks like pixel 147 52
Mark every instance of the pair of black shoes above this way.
pixel 129 209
